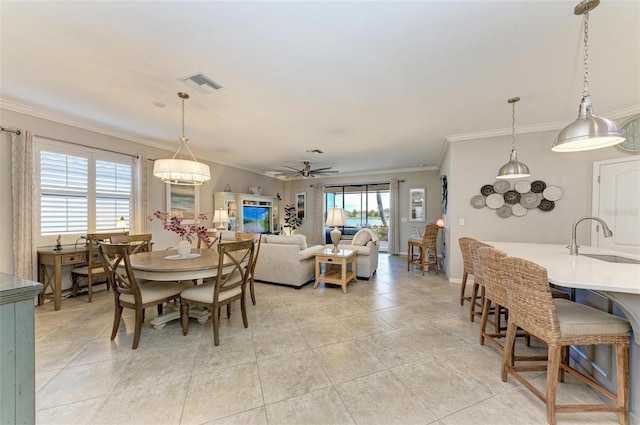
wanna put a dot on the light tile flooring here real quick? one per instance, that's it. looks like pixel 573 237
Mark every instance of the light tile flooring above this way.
pixel 397 349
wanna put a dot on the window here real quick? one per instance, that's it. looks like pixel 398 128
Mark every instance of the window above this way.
pixel 364 205
pixel 81 189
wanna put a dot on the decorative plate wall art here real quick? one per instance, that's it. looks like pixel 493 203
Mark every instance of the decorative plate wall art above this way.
pixel 516 201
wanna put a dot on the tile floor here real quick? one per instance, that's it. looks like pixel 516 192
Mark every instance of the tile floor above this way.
pixel 397 349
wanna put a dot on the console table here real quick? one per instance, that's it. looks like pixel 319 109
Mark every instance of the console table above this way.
pixel 51 277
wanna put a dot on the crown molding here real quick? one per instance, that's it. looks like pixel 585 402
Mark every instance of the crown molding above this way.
pixel 538 128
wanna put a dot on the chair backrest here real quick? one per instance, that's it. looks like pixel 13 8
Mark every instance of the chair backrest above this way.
pixel 94 259
pixel 136 243
pixel 466 253
pixel 214 236
pixel 496 289
pixel 474 246
pixel 530 302
pixel 118 269
pixel 430 235
pixel 235 260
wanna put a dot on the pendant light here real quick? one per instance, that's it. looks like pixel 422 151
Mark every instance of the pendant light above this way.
pixel 588 131
pixel 189 171
pixel 513 169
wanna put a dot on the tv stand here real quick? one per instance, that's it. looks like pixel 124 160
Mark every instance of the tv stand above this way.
pixel 235 203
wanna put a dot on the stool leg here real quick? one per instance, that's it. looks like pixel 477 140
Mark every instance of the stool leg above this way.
pixel 553 365
pixel 507 352
pixel 463 287
pixel 622 378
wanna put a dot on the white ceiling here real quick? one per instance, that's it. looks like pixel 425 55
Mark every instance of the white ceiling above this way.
pixel 375 85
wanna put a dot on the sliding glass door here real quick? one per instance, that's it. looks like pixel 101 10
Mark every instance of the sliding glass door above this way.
pixel 365 205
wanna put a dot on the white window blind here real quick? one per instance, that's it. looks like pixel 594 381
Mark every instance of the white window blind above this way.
pixel 82 190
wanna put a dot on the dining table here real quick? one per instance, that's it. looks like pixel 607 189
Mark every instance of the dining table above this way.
pixel 169 266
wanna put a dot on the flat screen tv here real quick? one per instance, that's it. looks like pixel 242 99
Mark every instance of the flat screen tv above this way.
pixel 256 219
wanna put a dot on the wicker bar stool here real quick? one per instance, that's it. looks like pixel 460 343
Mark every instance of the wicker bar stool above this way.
pixel 477 293
pixel 561 323
pixel 425 245
pixel 468 266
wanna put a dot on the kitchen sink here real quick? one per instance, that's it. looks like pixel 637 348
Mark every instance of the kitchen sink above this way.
pixel 612 258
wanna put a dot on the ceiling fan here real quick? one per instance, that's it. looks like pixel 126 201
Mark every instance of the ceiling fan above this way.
pixel 307 171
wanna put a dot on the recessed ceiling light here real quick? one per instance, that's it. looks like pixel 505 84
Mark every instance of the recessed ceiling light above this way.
pixel 159 104
pixel 315 151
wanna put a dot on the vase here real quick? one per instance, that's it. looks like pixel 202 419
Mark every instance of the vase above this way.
pixel 184 248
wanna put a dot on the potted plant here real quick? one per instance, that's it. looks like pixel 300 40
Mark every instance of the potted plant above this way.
pixel 291 219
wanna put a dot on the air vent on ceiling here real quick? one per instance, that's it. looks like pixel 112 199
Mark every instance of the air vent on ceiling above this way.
pixel 202 83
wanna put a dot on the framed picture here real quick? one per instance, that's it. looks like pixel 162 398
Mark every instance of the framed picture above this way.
pixel 301 204
pixel 183 201
pixel 417 203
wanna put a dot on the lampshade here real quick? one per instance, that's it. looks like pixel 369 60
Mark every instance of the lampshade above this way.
pixel 588 131
pixel 121 223
pixel 221 216
pixel 335 217
pixel 178 170
pixel 440 223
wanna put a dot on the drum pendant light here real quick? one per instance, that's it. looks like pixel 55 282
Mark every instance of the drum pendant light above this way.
pixel 513 169
pixel 588 131
pixel 187 172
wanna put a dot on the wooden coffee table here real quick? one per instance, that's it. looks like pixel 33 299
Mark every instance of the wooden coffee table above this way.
pixel 340 267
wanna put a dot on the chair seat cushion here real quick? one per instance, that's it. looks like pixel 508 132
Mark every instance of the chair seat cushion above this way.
pixel 581 320
pixel 84 270
pixel 153 291
pixel 204 293
pixel 415 240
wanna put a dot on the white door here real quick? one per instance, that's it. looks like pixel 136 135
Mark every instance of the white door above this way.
pixel 616 200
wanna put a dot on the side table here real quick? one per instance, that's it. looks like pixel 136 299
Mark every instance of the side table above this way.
pixel 344 258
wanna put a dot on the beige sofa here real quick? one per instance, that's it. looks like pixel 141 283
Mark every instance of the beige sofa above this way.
pixel 286 260
pixel 366 243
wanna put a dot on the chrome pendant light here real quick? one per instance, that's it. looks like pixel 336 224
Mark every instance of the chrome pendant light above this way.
pixel 513 169
pixel 188 172
pixel 588 131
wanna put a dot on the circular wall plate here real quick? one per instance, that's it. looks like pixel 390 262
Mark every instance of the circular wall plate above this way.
pixel 529 200
pixel 538 186
pixel 501 186
pixel 487 190
pixel 518 210
pixel 546 205
pixel 478 201
pixel 495 200
pixel 504 211
pixel 522 186
pixel 631 133
pixel 552 193
pixel 511 197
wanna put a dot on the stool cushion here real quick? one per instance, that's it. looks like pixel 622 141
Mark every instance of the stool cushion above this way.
pixel 581 320
pixel 416 240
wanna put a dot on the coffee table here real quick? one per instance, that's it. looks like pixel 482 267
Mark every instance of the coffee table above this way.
pixel 340 267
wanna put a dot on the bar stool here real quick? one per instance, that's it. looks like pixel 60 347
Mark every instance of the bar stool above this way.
pixel 477 293
pixel 468 266
pixel 561 323
pixel 426 245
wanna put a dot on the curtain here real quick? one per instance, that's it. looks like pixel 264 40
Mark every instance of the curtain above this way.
pixel 318 213
pixel 394 229
pixel 140 196
pixel 24 204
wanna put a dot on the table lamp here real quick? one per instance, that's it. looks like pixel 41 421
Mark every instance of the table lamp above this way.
pixel 121 224
pixel 335 219
pixel 440 223
pixel 221 216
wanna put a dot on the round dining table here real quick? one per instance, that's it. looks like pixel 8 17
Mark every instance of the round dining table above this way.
pixel 168 266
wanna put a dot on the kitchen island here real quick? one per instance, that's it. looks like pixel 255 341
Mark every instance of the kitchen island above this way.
pixel 618 281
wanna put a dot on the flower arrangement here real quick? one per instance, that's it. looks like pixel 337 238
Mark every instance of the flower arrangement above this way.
pixel 188 232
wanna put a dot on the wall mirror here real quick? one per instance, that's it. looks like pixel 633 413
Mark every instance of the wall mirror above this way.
pixel 417 203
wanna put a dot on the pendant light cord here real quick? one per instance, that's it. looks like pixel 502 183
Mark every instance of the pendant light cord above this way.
pixel 585 92
pixel 183 118
pixel 513 126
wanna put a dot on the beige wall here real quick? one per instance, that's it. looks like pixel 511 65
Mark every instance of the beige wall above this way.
pixel 473 163
pixel 239 180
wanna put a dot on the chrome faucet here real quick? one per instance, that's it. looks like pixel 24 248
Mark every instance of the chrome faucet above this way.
pixel 606 232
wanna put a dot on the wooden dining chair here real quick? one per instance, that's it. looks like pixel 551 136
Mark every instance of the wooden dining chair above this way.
pixel 427 249
pixel 214 237
pixel 251 278
pixel 136 243
pixel 127 293
pixel 93 269
pixel 235 259
pixel 561 323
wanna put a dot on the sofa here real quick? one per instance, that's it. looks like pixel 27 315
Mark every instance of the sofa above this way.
pixel 286 260
pixel 366 243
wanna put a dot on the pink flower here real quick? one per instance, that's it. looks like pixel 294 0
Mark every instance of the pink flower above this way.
pixel 186 231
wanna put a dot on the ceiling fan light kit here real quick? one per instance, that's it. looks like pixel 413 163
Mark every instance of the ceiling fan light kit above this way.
pixel 589 131
pixel 179 171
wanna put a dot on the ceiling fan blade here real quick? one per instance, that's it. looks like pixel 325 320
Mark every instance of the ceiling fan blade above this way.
pixel 320 169
pixel 291 168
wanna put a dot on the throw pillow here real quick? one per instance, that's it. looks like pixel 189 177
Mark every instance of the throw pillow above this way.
pixel 361 238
